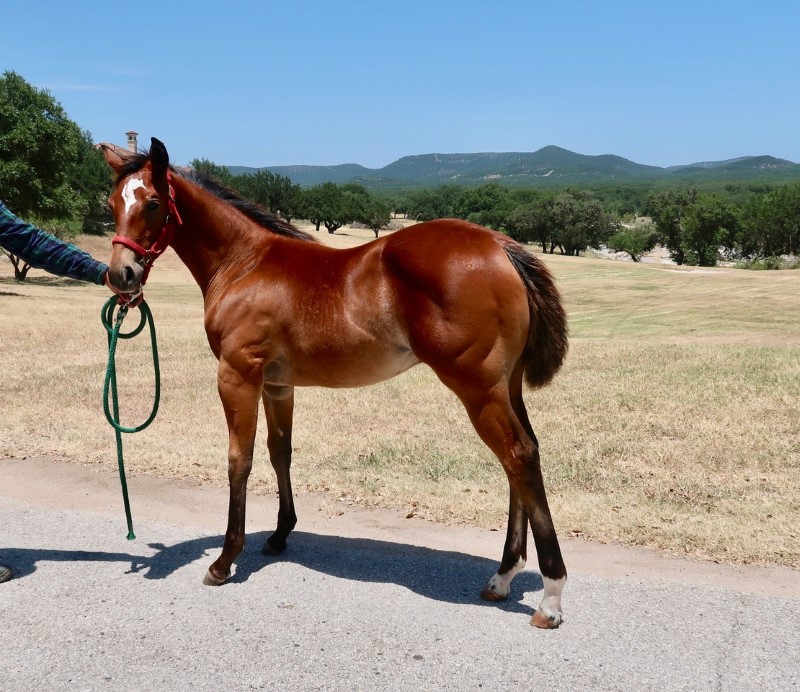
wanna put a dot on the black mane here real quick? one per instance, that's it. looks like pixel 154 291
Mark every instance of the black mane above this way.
pixel 251 210
pixel 272 222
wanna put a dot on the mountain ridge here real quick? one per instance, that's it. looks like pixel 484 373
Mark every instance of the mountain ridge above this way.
pixel 549 165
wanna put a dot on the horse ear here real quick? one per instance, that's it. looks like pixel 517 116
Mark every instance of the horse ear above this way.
pixel 112 156
pixel 159 158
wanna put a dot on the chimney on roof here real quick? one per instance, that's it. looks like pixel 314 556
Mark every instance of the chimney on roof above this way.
pixel 132 144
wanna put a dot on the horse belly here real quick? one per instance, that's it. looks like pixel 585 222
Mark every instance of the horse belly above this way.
pixel 357 368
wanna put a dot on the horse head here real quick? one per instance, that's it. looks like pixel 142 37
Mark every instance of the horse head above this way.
pixel 144 211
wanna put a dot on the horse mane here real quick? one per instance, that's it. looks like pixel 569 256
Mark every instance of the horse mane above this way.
pixel 254 212
pixel 251 210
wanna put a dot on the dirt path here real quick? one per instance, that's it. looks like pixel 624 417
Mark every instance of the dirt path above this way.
pixel 59 485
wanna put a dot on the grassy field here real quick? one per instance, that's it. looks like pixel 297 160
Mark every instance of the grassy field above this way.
pixel 674 423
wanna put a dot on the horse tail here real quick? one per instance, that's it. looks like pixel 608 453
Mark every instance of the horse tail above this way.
pixel 547 335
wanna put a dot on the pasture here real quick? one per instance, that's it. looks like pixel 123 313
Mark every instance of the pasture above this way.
pixel 674 422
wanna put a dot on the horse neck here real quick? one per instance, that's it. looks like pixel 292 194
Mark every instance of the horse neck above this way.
pixel 212 234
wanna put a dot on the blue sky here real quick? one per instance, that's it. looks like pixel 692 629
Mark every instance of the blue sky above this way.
pixel 268 83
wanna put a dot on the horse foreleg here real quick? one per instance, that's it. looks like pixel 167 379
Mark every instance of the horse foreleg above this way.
pixel 279 408
pixel 240 400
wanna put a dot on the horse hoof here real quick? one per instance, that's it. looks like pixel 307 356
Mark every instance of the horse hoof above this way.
pixel 498 587
pixel 211 580
pixel 270 549
pixel 545 622
pixel 489 594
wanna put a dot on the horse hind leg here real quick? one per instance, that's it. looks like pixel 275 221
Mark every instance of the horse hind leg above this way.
pixel 279 409
pixel 553 586
pixel 514 552
pixel 500 425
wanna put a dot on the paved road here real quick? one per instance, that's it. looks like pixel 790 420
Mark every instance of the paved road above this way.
pixel 361 600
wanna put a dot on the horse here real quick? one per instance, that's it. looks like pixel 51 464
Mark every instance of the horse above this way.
pixel 282 310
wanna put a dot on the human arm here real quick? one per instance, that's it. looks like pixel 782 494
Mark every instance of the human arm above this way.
pixel 45 251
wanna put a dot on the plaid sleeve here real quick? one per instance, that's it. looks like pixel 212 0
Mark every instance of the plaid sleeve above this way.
pixel 45 251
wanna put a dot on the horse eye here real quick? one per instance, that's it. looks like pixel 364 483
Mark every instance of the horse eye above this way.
pixel 152 204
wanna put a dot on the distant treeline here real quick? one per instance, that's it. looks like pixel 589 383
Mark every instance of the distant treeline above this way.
pixel 734 222
pixel 753 222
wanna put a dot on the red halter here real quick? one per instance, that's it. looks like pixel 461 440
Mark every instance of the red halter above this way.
pixel 161 243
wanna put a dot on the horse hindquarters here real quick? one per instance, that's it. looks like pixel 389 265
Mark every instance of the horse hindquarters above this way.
pixel 490 313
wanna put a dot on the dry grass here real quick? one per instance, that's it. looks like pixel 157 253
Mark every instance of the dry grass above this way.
pixel 674 423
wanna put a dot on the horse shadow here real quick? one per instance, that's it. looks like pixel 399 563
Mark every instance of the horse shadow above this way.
pixel 440 575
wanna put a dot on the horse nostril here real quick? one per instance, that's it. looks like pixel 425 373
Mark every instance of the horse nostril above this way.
pixel 128 275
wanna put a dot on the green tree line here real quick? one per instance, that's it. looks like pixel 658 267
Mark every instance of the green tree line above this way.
pixel 328 204
pixel 755 222
pixel 697 228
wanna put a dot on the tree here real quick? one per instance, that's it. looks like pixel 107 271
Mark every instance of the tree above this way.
pixel 285 198
pixel 348 203
pixel 355 200
pixel 580 222
pixel 311 205
pixel 635 241
pixel 439 203
pixel 90 177
pixel 397 203
pixel 532 222
pixel 38 148
pixel 785 202
pixel 759 235
pixel 667 209
pixel 272 191
pixel 571 221
pixel 376 215
pixel 329 205
pixel 487 205
pixel 709 224
pixel 771 224
pixel 213 170
pixel 47 166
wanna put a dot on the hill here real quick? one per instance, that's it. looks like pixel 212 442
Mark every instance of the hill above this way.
pixel 747 167
pixel 547 166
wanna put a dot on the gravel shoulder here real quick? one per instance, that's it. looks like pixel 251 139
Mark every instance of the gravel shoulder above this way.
pixel 362 600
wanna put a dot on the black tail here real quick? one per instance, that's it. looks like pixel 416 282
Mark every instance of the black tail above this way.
pixel 547 337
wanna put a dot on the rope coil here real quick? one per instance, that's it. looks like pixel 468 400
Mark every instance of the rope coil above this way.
pixel 113 326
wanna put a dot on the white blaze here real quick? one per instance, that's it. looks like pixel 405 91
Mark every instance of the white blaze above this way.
pixel 128 192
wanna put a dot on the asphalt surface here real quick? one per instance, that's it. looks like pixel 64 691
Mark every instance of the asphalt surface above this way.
pixel 361 600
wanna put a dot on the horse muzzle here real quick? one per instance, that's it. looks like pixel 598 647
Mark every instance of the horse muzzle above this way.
pixel 125 270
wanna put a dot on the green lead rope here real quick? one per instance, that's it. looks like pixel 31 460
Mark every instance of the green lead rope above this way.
pixel 110 385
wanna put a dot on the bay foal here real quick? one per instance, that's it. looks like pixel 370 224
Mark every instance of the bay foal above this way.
pixel 283 311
